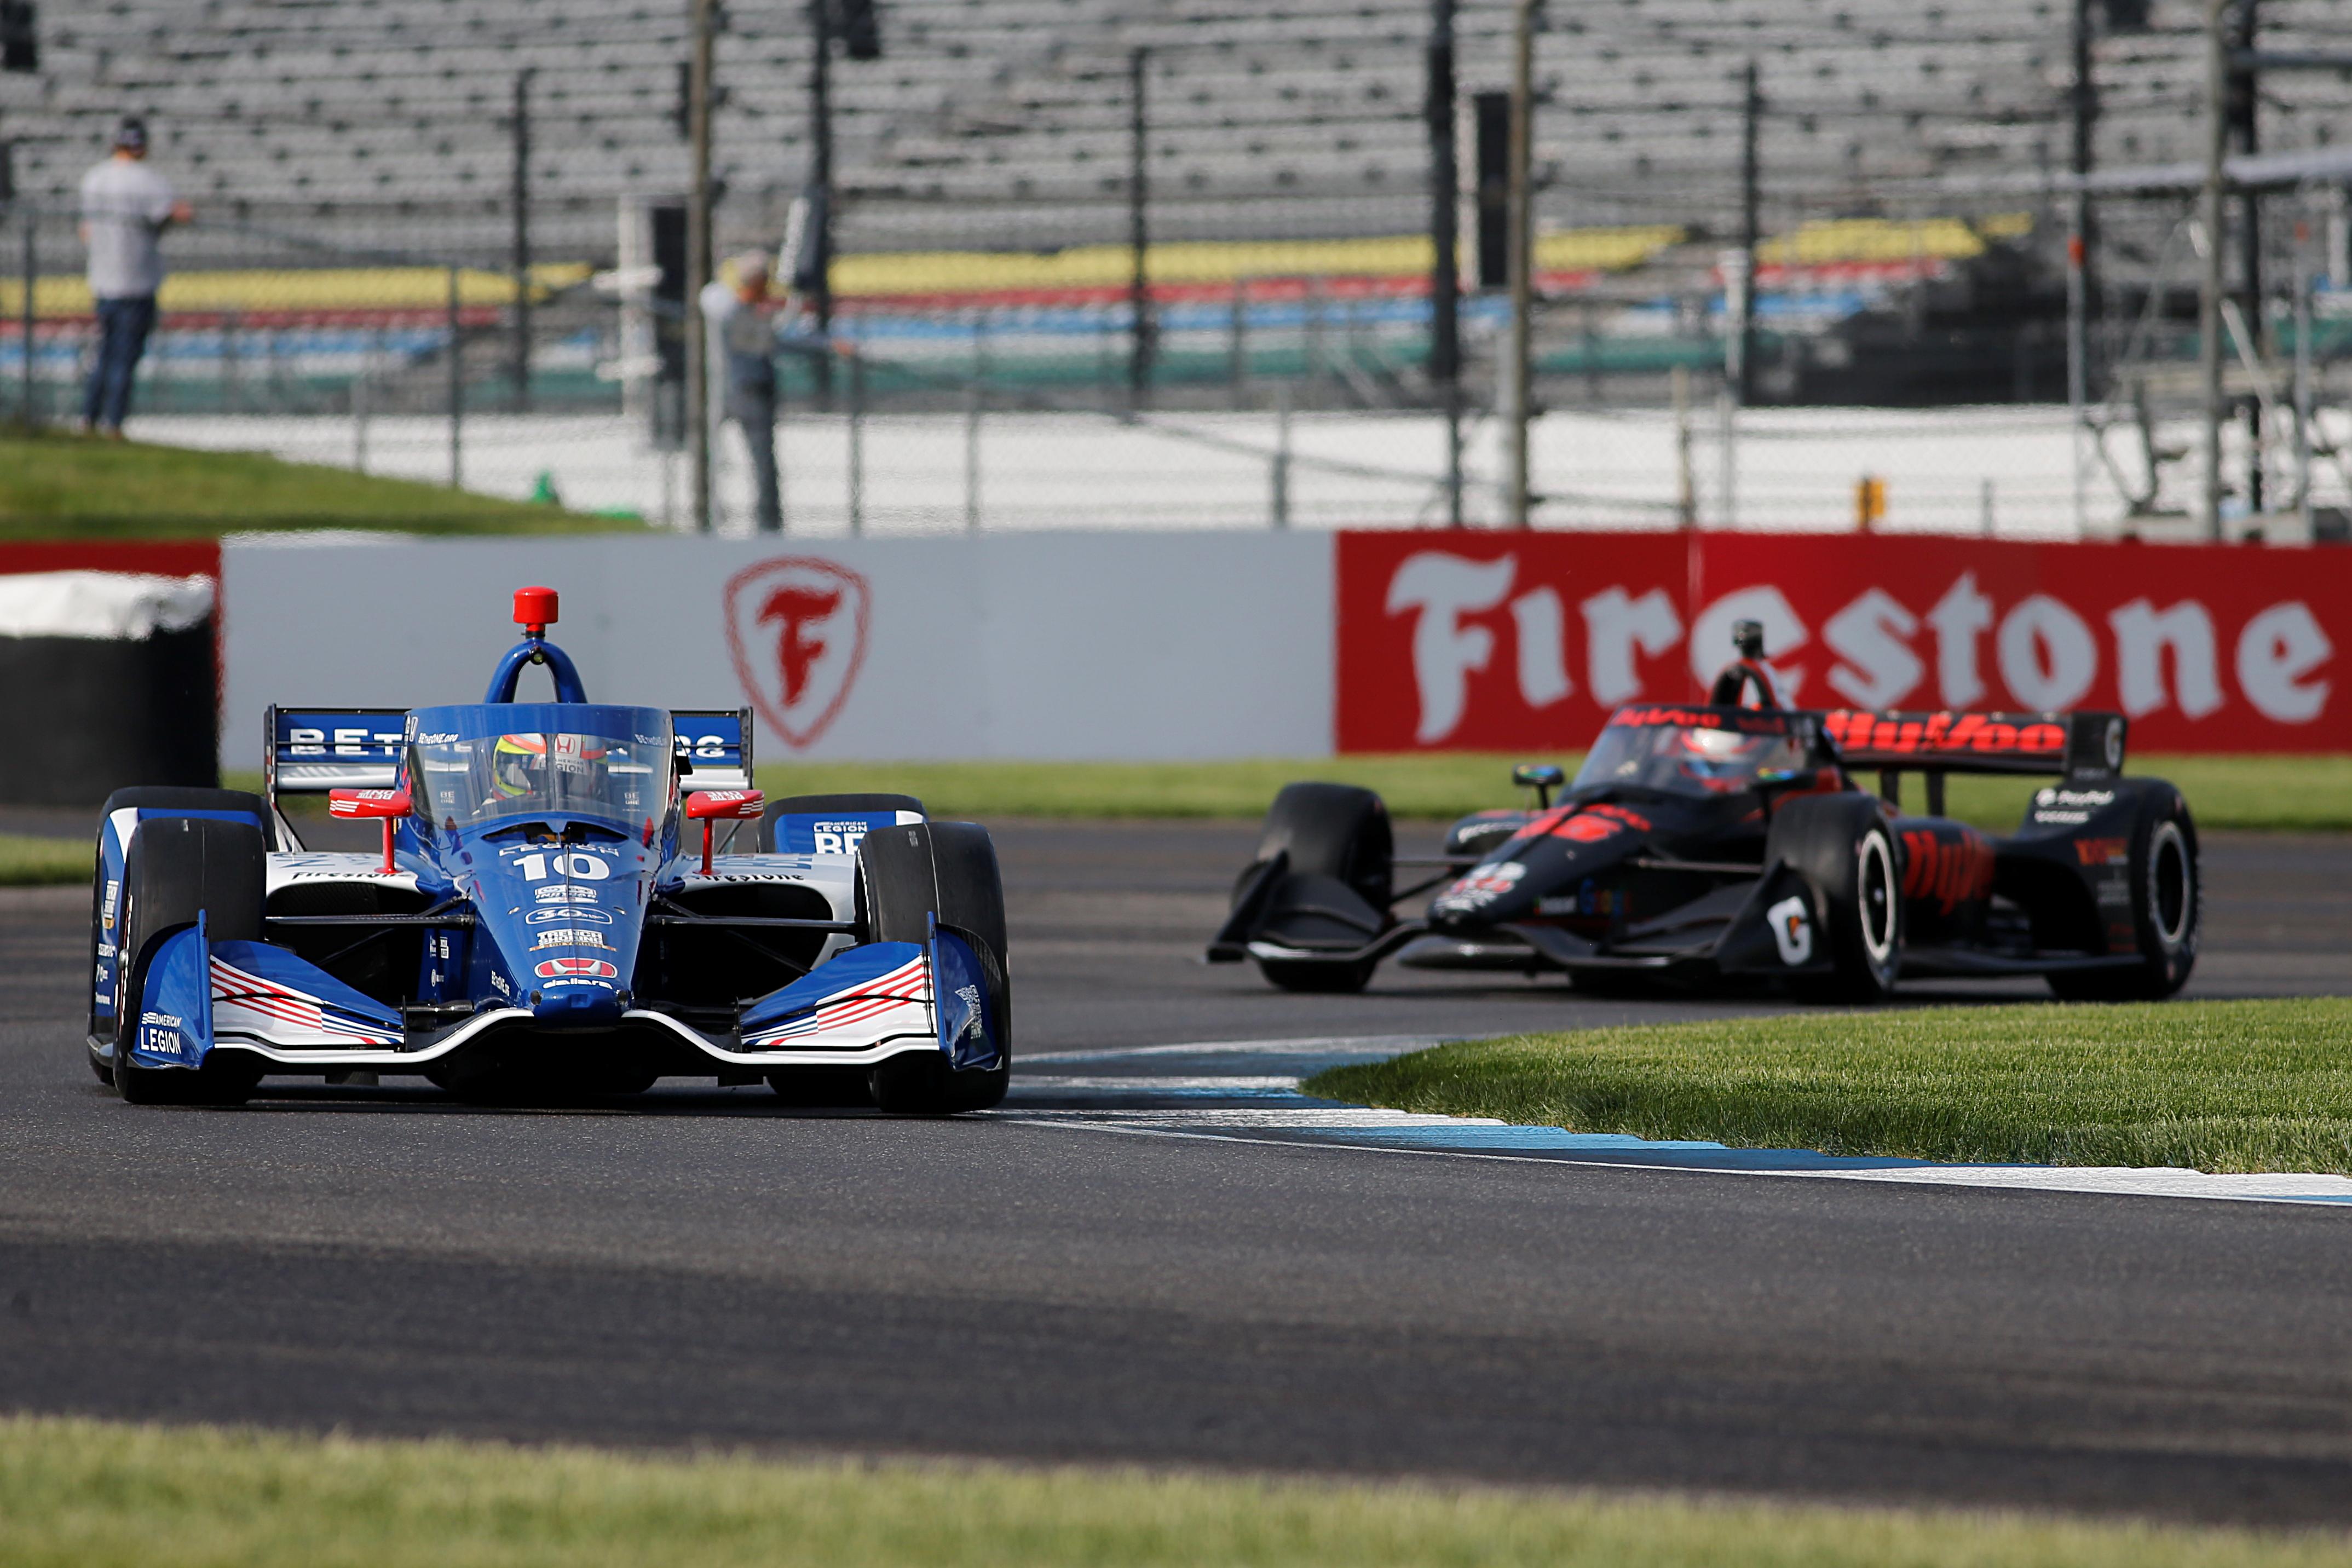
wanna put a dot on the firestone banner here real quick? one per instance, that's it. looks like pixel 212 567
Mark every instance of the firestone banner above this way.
pixel 1449 641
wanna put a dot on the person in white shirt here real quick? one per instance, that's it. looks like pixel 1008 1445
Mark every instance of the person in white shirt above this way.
pixel 125 208
pixel 742 350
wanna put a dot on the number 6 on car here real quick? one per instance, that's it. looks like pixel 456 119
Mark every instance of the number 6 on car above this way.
pixel 537 921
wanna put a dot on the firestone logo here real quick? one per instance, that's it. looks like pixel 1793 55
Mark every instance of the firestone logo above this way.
pixel 796 628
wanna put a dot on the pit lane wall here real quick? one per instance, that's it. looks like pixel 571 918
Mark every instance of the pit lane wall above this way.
pixel 1162 646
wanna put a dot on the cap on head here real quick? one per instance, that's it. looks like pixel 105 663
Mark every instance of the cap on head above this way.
pixel 534 610
pixel 752 264
pixel 131 136
pixel 1747 639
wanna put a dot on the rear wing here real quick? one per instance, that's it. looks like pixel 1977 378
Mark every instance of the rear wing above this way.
pixel 308 751
pixel 2076 745
pixel 714 747
pixel 311 750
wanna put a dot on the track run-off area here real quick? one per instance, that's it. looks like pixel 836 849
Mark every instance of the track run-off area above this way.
pixel 706 1267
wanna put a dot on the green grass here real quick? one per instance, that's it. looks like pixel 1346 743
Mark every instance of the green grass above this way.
pixel 56 486
pixel 97 1495
pixel 2271 793
pixel 29 862
pixel 2215 1086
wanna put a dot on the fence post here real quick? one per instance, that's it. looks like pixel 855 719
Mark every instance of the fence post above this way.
pixel 971 459
pixel 856 443
pixel 456 387
pixel 1311 338
pixel 1281 466
pixel 31 410
pixel 1685 482
pixel 232 371
pixel 1237 343
pixel 360 412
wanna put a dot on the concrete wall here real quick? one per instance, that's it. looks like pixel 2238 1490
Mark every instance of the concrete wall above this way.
pixel 1047 646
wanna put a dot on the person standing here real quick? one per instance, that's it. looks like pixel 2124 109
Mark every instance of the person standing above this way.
pixel 742 349
pixel 125 208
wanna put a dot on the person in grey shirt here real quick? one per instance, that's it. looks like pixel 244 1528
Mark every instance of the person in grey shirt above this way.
pixel 125 208
pixel 742 344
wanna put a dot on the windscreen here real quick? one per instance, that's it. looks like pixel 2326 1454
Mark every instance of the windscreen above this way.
pixel 622 780
pixel 1648 748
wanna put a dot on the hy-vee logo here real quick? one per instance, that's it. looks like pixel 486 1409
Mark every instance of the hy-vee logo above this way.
pixel 796 628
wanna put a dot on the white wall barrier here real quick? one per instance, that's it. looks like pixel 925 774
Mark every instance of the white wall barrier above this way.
pixel 1046 646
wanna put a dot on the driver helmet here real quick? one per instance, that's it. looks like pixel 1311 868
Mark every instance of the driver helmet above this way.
pixel 516 765
pixel 1721 759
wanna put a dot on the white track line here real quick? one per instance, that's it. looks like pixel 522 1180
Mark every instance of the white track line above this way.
pixel 1372 1129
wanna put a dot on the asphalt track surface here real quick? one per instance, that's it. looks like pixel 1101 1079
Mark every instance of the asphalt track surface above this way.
pixel 702 1266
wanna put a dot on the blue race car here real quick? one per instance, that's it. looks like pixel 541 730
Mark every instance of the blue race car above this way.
pixel 548 915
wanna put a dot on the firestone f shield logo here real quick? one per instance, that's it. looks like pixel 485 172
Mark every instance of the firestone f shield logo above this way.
pixel 796 628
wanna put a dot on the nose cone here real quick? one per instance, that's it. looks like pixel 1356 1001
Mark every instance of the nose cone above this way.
pixel 578 1006
pixel 1515 887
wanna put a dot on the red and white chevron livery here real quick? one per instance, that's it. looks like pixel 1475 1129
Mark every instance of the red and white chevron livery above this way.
pixel 896 1003
pixel 246 1004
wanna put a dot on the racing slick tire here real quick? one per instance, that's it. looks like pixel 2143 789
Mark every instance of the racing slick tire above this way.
pixel 157 796
pixel 1842 846
pixel 1338 831
pixel 907 875
pixel 177 867
pixel 2168 896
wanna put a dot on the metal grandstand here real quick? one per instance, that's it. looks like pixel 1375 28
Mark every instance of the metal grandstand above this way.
pixel 344 152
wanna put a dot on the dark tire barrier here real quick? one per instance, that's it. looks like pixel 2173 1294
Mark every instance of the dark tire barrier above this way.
pixel 129 698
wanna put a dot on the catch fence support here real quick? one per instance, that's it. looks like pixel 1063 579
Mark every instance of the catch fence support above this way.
pixel 456 387
pixel 971 459
pixel 856 443
pixel 360 412
pixel 28 407
pixel 1280 467
pixel 2302 270
pixel 523 240
pixel 1237 343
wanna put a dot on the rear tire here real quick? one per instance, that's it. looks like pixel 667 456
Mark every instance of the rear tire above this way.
pixel 947 869
pixel 177 867
pixel 2168 896
pixel 847 804
pixel 1842 846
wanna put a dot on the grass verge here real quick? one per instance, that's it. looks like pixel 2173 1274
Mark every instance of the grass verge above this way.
pixel 58 486
pixel 97 1495
pixel 2266 793
pixel 29 862
pixel 2215 1086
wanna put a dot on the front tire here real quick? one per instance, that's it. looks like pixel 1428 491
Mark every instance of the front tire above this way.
pixel 2168 899
pixel 177 867
pixel 1311 978
pixel 1333 833
pixel 1842 846
pixel 947 870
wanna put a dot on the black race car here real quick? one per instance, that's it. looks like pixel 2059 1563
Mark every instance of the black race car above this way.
pixel 1729 842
